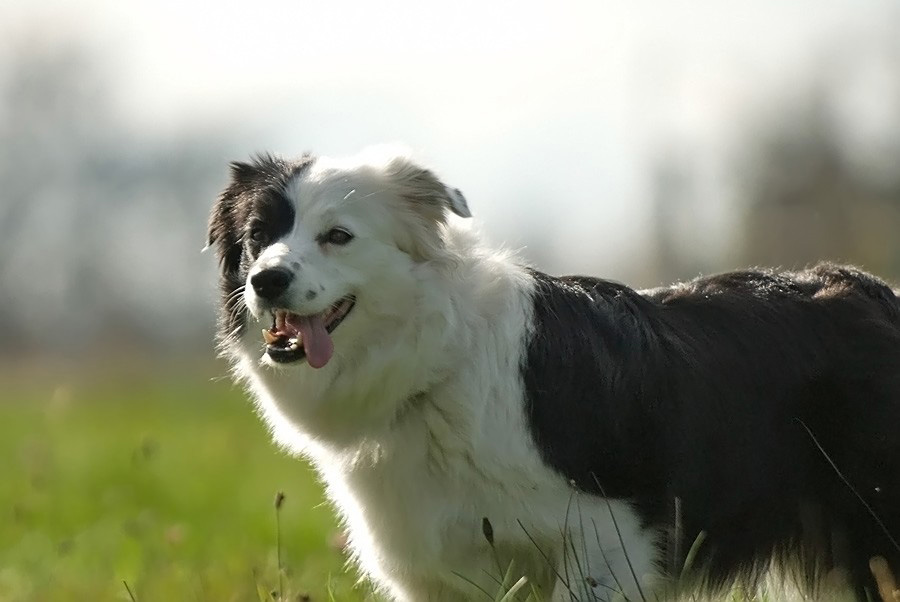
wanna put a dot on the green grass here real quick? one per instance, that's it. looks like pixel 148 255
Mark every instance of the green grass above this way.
pixel 165 483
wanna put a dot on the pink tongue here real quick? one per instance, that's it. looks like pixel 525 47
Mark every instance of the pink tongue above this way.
pixel 316 341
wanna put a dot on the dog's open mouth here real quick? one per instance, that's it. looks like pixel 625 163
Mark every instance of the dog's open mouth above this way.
pixel 293 337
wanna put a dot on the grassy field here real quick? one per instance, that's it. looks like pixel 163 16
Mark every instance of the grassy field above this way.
pixel 164 482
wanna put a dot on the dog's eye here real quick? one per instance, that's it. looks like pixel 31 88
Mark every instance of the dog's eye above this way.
pixel 337 236
pixel 258 235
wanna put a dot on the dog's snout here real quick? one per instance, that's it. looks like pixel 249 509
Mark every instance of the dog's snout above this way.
pixel 272 282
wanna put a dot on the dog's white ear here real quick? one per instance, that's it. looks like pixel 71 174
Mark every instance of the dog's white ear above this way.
pixel 425 203
pixel 458 202
pixel 423 188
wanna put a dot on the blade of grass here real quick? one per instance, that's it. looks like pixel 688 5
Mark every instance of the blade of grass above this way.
pixel 512 591
pixel 473 584
pixel 615 523
pixel 544 556
pixel 128 589
pixel 279 500
pixel 692 553
pixel 606 560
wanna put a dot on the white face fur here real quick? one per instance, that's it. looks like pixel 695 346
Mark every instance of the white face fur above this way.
pixel 341 246
pixel 366 239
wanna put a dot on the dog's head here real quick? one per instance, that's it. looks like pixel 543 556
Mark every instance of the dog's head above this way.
pixel 312 247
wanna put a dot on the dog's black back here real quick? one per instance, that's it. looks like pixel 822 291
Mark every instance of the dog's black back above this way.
pixel 767 404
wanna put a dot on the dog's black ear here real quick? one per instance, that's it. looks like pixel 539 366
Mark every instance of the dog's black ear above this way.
pixel 249 181
pixel 224 230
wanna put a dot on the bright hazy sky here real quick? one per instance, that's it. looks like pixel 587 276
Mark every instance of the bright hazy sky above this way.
pixel 551 111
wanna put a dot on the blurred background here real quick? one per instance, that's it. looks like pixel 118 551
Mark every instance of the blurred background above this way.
pixel 643 141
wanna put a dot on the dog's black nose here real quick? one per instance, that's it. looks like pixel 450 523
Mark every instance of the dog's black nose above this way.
pixel 270 283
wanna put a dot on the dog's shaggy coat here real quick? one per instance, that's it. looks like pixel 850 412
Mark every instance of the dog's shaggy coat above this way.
pixel 466 411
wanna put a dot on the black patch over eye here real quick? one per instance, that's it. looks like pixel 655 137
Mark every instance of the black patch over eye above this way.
pixel 270 218
pixel 335 236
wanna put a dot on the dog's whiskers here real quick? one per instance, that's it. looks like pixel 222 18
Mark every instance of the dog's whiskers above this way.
pixel 235 307
pixel 373 193
pixel 238 292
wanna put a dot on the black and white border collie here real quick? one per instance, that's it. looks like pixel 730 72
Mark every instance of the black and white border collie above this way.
pixel 467 412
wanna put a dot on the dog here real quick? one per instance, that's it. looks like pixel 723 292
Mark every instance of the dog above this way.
pixel 470 415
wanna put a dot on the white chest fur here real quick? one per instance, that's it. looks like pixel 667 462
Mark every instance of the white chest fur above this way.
pixel 424 435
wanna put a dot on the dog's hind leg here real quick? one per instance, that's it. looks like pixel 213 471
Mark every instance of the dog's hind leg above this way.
pixel 884 577
pixel 865 506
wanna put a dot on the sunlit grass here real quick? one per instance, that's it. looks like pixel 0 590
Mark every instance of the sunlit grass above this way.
pixel 166 485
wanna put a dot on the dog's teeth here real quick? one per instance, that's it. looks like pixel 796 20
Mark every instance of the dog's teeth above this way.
pixel 269 337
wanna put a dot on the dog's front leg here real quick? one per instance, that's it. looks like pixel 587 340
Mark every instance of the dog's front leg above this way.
pixel 589 573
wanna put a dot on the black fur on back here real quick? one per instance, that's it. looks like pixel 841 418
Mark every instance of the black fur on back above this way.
pixel 716 392
pixel 254 200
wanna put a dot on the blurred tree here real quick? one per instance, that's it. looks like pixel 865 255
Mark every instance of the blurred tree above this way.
pixel 672 189
pixel 806 198
pixel 100 225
